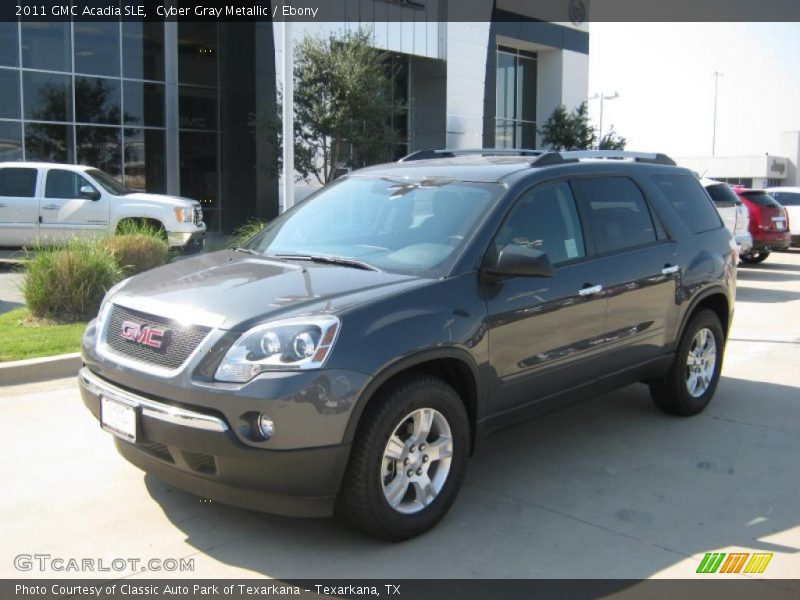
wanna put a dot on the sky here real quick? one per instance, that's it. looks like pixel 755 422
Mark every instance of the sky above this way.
pixel 664 75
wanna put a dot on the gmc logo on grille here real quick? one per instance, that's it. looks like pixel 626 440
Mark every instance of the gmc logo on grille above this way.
pixel 147 335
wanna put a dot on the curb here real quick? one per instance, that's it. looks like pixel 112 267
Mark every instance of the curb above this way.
pixel 33 370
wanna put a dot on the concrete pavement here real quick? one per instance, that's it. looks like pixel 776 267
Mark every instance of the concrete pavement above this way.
pixel 10 282
pixel 608 488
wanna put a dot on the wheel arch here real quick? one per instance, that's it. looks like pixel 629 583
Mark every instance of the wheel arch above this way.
pixel 454 366
pixel 714 299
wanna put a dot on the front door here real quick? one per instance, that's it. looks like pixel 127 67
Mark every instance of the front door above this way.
pixel 543 331
pixel 19 209
pixel 66 212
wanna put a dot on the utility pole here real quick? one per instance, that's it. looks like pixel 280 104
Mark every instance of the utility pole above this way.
pixel 602 98
pixel 717 75
pixel 288 115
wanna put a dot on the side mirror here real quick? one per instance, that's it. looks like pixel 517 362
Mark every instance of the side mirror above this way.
pixel 520 261
pixel 89 193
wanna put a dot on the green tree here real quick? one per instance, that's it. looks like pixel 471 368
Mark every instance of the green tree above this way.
pixel 569 131
pixel 343 104
pixel 612 141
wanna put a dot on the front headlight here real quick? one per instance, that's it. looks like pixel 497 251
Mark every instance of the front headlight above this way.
pixel 289 344
pixel 184 215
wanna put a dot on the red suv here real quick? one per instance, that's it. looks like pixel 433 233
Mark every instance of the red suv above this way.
pixel 769 224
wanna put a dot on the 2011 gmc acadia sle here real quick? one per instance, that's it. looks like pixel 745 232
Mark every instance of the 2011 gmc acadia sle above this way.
pixel 348 359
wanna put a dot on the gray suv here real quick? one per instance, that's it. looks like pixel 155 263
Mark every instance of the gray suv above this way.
pixel 349 358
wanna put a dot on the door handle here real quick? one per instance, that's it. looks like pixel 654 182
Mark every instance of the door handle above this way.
pixel 51 207
pixel 590 290
pixel 670 269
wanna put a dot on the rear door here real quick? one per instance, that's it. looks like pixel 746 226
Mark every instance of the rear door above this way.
pixel 66 211
pixel 725 201
pixel 19 208
pixel 641 265
pixel 543 331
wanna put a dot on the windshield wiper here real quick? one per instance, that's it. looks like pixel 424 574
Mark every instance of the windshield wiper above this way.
pixel 330 260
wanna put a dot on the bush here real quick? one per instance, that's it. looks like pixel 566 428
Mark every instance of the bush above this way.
pixel 244 232
pixel 68 283
pixel 137 252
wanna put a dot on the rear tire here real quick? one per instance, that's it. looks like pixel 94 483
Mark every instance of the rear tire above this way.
pixel 378 496
pixel 691 381
pixel 754 257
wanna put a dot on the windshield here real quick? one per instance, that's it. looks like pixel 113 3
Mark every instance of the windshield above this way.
pixel 401 226
pixel 109 184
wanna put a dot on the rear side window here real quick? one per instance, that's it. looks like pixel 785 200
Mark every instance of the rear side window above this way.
pixel 620 214
pixel 20 183
pixel 722 195
pixel 787 198
pixel 690 201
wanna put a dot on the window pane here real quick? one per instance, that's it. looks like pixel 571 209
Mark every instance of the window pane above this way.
pixel 143 50
pixel 9 44
pixel 64 184
pixel 545 219
pixel 9 97
pixel 49 143
pixel 10 141
pixel 505 85
pixel 621 217
pixel 503 135
pixel 48 97
pixel 145 163
pixel 46 45
pixel 100 147
pixel 144 103
pixel 197 53
pixel 197 107
pixel 526 89
pixel 97 100
pixel 18 182
pixel 97 48
pixel 690 201
pixel 722 195
pixel 198 152
pixel 786 198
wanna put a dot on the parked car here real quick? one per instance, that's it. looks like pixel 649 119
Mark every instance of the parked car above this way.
pixel 46 203
pixel 769 224
pixel 733 212
pixel 789 198
pixel 350 357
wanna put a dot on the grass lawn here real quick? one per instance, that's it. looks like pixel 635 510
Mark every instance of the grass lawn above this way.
pixel 20 340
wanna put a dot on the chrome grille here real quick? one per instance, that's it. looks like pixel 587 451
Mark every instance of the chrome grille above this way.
pixel 177 344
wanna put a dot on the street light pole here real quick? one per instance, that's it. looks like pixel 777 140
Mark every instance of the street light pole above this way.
pixel 603 98
pixel 717 75
pixel 288 115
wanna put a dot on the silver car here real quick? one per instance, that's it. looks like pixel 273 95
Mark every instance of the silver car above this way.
pixel 733 212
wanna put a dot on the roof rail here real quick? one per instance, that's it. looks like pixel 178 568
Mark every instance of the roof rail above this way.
pixel 643 157
pixel 453 152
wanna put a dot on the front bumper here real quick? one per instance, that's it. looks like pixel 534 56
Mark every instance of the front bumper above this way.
pixel 196 449
pixel 184 238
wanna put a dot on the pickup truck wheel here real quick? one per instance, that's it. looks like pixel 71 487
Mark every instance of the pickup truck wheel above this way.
pixel 408 460
pixel 754 258
pixel 693 377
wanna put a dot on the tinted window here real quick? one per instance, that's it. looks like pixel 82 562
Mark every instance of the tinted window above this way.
pixel 97 100
pixel 690 201
pixel 143 50
pixel 9 98
pixel 46 45
pixel 197 53
pixel 48 96
pixel 144 103
pixel 145 162
pixel 96 46
pixel 761 198
pixel 621 217
pixel 20 183
pixel 723 195
pixel 64 184
pixel 787 198
pixel 546 219
pixel 49 142
pixel 9 44
pixel 10 141
pixel 100 147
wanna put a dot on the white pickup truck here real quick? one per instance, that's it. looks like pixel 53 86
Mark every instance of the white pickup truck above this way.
pixel 47 203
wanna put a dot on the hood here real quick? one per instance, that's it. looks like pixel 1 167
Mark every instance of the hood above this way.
pixel 162 199
pixel 233 290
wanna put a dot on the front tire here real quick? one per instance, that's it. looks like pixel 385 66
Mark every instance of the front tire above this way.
pixel 408 460
pixel 754 257
pixel 693 377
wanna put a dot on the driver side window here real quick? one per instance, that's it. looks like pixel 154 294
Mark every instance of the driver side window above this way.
pixel 546 219
pixel 64 184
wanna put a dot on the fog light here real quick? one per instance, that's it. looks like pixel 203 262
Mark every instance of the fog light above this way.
pixel 265 426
